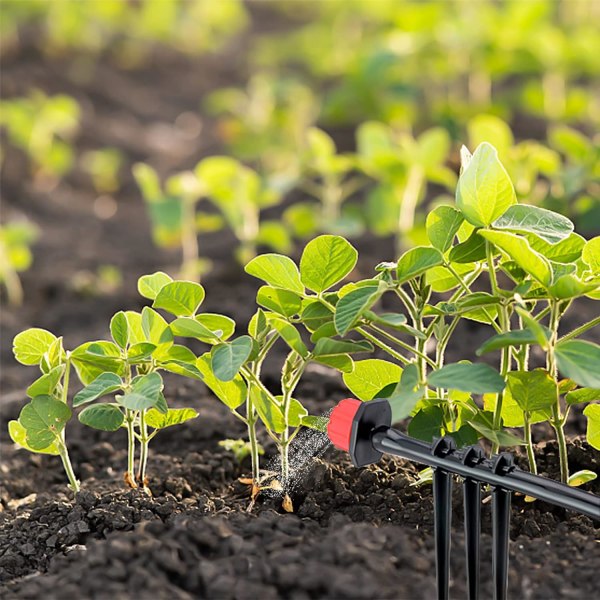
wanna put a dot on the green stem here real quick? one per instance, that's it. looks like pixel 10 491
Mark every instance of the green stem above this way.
pixel 414 350
pixel 130 473
pixel 504 368
pixel 189 241
pixel 558 422
pixel 529 443
pixel 143 449
pixel 377 342
pixel 408 204
pixel 582 329
pixel 66 461
pixel 251 424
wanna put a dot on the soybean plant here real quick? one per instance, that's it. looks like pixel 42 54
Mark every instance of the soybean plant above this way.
pixel 41 424
pixel 536 267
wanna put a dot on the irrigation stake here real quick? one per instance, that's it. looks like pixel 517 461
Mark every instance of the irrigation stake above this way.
pixel 442 513
pixel 472 506
pixel 501 528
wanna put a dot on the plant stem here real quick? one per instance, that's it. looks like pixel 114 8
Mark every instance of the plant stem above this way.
pixel 529 443
pixel 66 461
pixel 14 289
pixel 408 204
pixel 416 351
pixel 143 449
pixel 377 342
pixel 581 329
pixel 558 422
pixel 189 241
pixel 130 473
pixel 251 424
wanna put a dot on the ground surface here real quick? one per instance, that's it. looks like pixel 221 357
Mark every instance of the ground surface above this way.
pixel 355 533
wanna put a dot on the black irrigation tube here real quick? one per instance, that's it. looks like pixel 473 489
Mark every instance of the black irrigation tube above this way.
pixel 363 429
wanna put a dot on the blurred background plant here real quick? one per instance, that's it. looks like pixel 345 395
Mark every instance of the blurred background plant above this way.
pixel 269 122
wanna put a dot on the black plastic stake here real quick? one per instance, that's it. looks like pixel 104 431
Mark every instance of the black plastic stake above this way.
pixel 442 514
pixel 501 528
pixel 472 504
pixel 472 500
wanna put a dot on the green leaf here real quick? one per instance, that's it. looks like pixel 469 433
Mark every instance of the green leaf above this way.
pixel 484 190
pixel 417 261
pixel 290 335
pixel 280 301
pixel 119 329
pixel 104 384
pixel 426 424
pixel 407 393
pixel 581 478
pixel 317 423
pixel 140 352
pixel 105 417
pixel 591 255
pixel 43 420
pixel 442 224
pixel 315 315
pixel 512 413
pixel 231 393
pixel 540 332
pixel 46 384
pixel 519 250
pixel 228 358
pixel 517 337
pixel 326 260
pixel 216 322
pixel 565 251
pixel 145 392
pixel 185 369
pixel 532 390
pixel 370 377
pixel 569 286
pixel 270 414
pixel 465 435
pixel 393 320
pixel 483 424
pixel 149 285
pixel 174 416
pixel 296 413
pixel 470 251
pixel 339 362
pixel 134 323
pixel 18 434
pixel 156 330
pixel 277 270
pixel 191 328
pixel 351 307
pixel 180 298
pixel 550 226
pixel 442 280
pixel 582 395
pixel 30 345
pixel 330 347
pixel 476 378
pixel 592 412
pixel 579 360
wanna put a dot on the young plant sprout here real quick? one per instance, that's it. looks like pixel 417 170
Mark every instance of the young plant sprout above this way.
pixel 15 257
pixel 402 166
pixel 328 178
pixel 41 424
pixel 240 194
pixel 103 167
pixel 536 268
pixel 42 126
pixel 175 219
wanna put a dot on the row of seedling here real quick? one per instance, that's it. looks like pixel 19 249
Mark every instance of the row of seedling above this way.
pixel 514 268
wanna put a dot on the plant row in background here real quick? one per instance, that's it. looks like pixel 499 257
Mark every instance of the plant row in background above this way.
pixel 516 268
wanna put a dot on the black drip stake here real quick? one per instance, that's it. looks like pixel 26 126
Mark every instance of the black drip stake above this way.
pixel 442 516
pixel 472 504
pixel 363 429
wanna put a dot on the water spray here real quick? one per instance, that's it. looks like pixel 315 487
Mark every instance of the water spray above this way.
pixel 363 429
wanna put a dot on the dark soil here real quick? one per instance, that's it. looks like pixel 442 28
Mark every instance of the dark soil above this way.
pixel 355 533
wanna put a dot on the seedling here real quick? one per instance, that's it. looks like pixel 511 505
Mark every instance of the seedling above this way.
pixel 544 266
pixel 41 424
pixel 129 367
pixel 15 257
pixel 330 178
pixel 103 167
pixel 43 127
pixel 402 166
